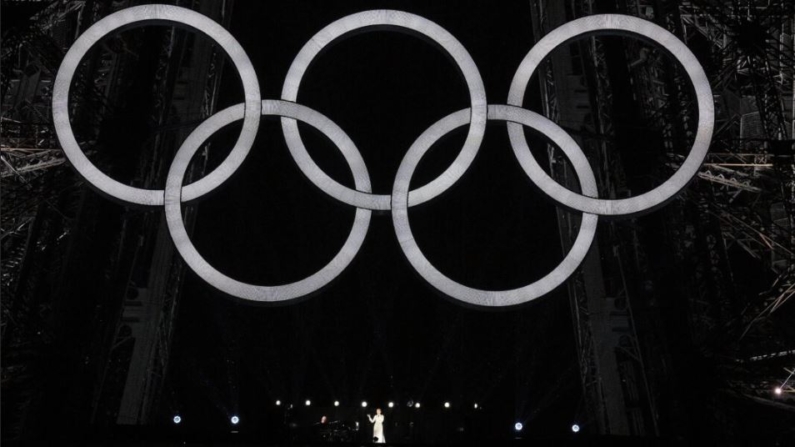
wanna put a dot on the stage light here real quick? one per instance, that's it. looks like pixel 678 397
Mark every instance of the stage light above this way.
pixel 278 403
pixel 417 405
pixel 308 402
pixel 177 419
pixel 518 426
pixel 476 406
pixel 336 403
pixel 364 404
pixel 778 391
pixel 575 428
pixel 391 404
pixel 235 420
pixel 447 404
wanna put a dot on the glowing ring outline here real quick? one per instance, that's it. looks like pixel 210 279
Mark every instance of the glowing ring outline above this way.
pixel 124 18
pixel 401 20
pixel 636 27
pixel 492 298
pixel 186 249
pixel 401 198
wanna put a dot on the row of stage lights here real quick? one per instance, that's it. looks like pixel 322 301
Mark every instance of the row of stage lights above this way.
pixel 575 428
pixel 518 426
pixel 364 404
pixel 235 420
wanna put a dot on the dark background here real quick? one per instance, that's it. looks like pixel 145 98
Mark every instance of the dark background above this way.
pixel 378 333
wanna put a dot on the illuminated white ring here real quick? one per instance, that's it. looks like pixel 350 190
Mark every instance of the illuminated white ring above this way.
pixel 610 23
pixel 380 19
pixel 492 298
pixel 123 18
pixel 187 250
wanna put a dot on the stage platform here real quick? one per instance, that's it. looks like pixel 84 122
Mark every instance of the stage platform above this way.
pixel 229 442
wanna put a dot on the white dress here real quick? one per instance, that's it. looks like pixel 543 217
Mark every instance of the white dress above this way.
pixel 378 428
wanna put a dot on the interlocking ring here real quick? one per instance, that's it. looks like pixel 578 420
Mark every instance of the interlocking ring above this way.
pixel 134 16
pixel 400 20
pixel 459 291
pixel 401 198
pixel 637 27
pixel 179 234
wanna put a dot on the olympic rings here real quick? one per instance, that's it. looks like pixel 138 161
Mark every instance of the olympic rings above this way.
pixel 401 198
pixel 634 26
pixel 134 15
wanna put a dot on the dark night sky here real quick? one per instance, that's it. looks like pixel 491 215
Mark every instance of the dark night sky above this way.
pixel 379 332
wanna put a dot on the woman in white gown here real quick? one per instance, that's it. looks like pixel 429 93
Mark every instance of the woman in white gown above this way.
pixel 378 427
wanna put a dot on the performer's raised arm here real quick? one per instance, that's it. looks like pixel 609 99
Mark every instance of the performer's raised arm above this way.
pixel 371 418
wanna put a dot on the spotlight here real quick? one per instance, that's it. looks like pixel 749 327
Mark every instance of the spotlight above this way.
pixel 417 405
pixel 364 404
pixel 518 426
pixel 308 402
pixel 177 419
pixel 278 403
pixel 575 428
pixel 391 404
pixel 235 420
pixel 778 391
pixel 447 404
pixel 336 403
pixel 476 406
